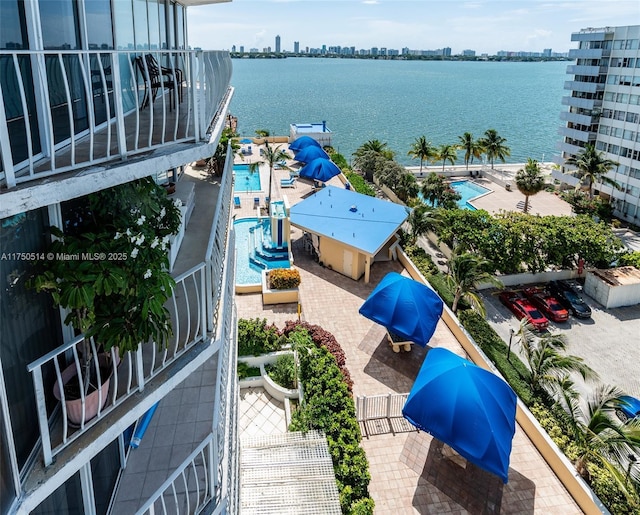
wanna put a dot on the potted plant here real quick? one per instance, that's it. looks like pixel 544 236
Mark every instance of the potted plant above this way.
pixel 108 268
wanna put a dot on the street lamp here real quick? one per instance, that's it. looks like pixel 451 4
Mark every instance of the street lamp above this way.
pixel 511 333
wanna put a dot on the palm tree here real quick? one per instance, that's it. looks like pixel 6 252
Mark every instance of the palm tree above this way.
pixel 529 181
pixel 494 146
pixel 406 187
pixel 593 166
pixel 423 150
pixel 547 363
pixel 272 155
pixel 471 148
pixel 599 437
pixel 447 153
pixel 376 146
pixel 263 133
pixel 465 273
pixel 421 219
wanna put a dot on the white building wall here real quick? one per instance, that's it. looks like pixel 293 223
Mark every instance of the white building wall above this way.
pixel 608 58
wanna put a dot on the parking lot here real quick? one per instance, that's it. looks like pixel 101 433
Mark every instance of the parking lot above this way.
pixel 609 342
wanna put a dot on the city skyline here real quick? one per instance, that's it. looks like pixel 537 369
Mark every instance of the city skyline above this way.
pixel 485 26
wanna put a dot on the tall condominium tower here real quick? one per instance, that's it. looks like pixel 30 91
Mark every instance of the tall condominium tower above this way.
pixel 277 44
pixel 296 47
pixel 604 111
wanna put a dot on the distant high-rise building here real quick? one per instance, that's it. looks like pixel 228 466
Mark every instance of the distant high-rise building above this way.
pixel 296 47
pixel 277 44
pixel 603 100
pixel 546 52
pixel 233 48
pixel 374 50
pixel 469 53
pixel 446 51
pixel 242 49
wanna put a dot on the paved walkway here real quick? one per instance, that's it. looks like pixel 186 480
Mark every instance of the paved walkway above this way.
pixel 411 472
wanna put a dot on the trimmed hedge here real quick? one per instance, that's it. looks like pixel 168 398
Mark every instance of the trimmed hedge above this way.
pixel 256 337
pixel 328 406
pixel 359 184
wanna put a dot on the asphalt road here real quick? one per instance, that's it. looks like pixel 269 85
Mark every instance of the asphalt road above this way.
pixel 609 342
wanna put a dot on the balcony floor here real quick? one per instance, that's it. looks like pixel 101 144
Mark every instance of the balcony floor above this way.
pixel 185 416
pixel 142 132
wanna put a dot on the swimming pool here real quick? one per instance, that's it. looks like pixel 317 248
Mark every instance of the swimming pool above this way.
pixel 245 181
pixel 252 256
pixel 468 191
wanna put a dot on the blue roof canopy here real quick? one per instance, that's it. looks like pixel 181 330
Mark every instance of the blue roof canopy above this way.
pixel 303 142
pixel 405 307
pixel 466 407
pixel 319 169
pixel 311 153
pixel 360 221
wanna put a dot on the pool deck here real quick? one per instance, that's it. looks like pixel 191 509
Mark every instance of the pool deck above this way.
pixel 410 471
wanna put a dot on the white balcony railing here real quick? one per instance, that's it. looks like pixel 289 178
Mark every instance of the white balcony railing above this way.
pixel 120 376
pixel 199 298
pixel 70 109
pixel 207 479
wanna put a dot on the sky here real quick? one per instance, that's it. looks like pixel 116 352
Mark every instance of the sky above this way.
pixel 483 26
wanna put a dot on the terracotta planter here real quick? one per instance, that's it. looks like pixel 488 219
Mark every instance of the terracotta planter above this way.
pixel 92 399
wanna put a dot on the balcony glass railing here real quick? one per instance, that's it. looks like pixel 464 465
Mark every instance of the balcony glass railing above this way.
pixel 70 109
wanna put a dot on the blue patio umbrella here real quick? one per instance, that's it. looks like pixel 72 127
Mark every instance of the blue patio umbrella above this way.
pixel 246 141
pixel 303 142
pixel 308 154
pixel 405 307
pixel 320 170
pixel 465 406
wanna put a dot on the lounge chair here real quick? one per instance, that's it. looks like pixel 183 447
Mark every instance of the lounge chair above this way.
pixel 288 183
pixel 236 201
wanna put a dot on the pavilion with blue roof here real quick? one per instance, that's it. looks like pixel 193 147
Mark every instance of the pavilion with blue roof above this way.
pixel 349 230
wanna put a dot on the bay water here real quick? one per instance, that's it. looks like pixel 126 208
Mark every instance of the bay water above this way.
pixel 398 101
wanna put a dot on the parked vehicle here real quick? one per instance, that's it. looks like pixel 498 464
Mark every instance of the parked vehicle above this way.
pixel 628 409
pixel 547 303
pixel 523 308
pixel 570 299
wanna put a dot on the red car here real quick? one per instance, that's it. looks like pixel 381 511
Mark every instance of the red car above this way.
pixel 547 303
pixel 523 308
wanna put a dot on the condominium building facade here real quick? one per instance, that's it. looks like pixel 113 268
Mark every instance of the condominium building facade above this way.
pixel 603 109
pixel 95 94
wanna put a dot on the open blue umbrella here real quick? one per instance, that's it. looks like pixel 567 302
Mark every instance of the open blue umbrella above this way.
pixel 245 141
pixel 466 407
pixel 405 307
pixel 320 170
pixel 308 154
pixel 303 142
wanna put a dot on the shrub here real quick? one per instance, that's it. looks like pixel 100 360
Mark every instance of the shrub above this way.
pixel 283 371
pixel 359 184
pixel 324 339
pixel 363 506
pixel 329 407
pixel 284 278
pixel 255 337
pixel 244 370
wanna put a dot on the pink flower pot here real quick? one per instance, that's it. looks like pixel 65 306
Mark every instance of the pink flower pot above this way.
pixel 92 399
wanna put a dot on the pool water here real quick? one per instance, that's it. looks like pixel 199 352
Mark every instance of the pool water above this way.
pixel 252 255
pixel 245 181
pixel 468 191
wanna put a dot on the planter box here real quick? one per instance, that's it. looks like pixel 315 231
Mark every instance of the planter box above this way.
pixel 277 296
